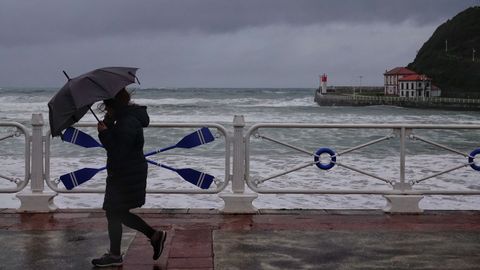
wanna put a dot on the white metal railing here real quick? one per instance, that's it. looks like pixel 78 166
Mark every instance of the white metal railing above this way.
pixel 399 186
pixel 19 131
pixel 220 183
pixel 396 189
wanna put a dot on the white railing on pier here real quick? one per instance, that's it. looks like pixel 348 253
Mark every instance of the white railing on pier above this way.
pixel 18 130
pixel 398 186
pixel 401 192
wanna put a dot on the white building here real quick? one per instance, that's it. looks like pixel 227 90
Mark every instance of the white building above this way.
pixel 403 82
pixel 415 86
pixel 392 77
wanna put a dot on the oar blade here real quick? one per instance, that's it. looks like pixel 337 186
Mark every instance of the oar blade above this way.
pixel 78 137
pixel 78 177
pixel 199 137
pixel 199 179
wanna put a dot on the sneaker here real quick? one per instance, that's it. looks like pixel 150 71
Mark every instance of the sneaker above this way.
pixel 107 260
pixel 157 241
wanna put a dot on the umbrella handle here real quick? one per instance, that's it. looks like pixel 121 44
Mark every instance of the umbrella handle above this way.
pixel 90 108
pixel 66 75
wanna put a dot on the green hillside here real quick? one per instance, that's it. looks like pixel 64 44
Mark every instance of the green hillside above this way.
pixel 453 70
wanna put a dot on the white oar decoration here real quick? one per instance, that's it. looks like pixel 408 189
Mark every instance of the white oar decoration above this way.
pixel 197 138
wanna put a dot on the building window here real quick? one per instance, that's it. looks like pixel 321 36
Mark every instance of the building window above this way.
pixel 408 92
pixel 413 93
pixel 413 87
pixel 402 94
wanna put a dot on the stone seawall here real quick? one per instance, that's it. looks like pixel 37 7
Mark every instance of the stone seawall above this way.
pixel 355 89
pixel 433 103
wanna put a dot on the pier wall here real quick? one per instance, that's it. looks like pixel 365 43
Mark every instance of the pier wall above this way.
pixel 433 103
pixel 357 89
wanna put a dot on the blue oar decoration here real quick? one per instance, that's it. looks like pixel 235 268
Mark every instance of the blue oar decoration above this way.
pixel 199 179
pixel 199 137
pixel 76 136
pixel 78 177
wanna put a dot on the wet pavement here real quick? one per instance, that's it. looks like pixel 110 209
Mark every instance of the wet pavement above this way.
pixel 53 249
pixel 272 239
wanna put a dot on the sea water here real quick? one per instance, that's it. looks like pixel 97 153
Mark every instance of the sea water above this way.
pixel 207 105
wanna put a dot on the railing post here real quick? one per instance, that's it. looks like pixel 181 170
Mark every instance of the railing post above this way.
pixel 36 199
pixel 238 183
pixel 403 203
pixel 238 201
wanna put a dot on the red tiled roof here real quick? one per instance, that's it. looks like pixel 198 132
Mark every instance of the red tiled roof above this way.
pixel 400 71
pixel 415 77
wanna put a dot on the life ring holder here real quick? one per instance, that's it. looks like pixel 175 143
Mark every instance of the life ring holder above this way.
pixel 333 158
pixel 471 158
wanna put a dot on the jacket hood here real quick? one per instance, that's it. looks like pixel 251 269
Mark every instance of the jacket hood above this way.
pixel 139 112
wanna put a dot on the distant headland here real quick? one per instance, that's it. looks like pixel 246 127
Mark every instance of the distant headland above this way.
pixel 445 73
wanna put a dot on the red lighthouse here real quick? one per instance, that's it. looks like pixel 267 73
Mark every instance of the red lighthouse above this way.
pixel 323 83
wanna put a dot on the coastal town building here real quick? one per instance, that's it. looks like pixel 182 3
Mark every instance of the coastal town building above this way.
pixel 435 92
pixel 415 86
pixel 404 82
pixel 392 77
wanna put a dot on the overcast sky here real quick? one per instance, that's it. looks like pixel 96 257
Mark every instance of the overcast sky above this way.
pixel 216 43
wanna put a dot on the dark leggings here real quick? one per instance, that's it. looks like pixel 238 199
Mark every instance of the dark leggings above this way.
pixel 115 220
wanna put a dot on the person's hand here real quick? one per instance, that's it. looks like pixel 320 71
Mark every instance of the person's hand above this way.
pixel 101 126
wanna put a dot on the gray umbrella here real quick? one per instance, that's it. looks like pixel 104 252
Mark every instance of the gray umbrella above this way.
pixel 74 99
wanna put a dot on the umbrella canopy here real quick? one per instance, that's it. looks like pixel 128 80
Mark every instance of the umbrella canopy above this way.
pixel 74 99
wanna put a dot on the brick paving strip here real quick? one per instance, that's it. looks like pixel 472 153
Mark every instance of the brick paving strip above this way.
pixel 206 239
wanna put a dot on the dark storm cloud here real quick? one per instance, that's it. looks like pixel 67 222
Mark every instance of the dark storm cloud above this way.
pixel 216 43
pixel 32 22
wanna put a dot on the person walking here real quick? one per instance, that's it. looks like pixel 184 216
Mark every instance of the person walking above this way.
pixel 121 133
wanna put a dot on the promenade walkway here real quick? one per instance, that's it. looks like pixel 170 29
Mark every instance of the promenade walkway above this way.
pixel 272 239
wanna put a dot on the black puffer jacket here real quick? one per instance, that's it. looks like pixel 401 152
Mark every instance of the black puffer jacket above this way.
pixel 126 165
